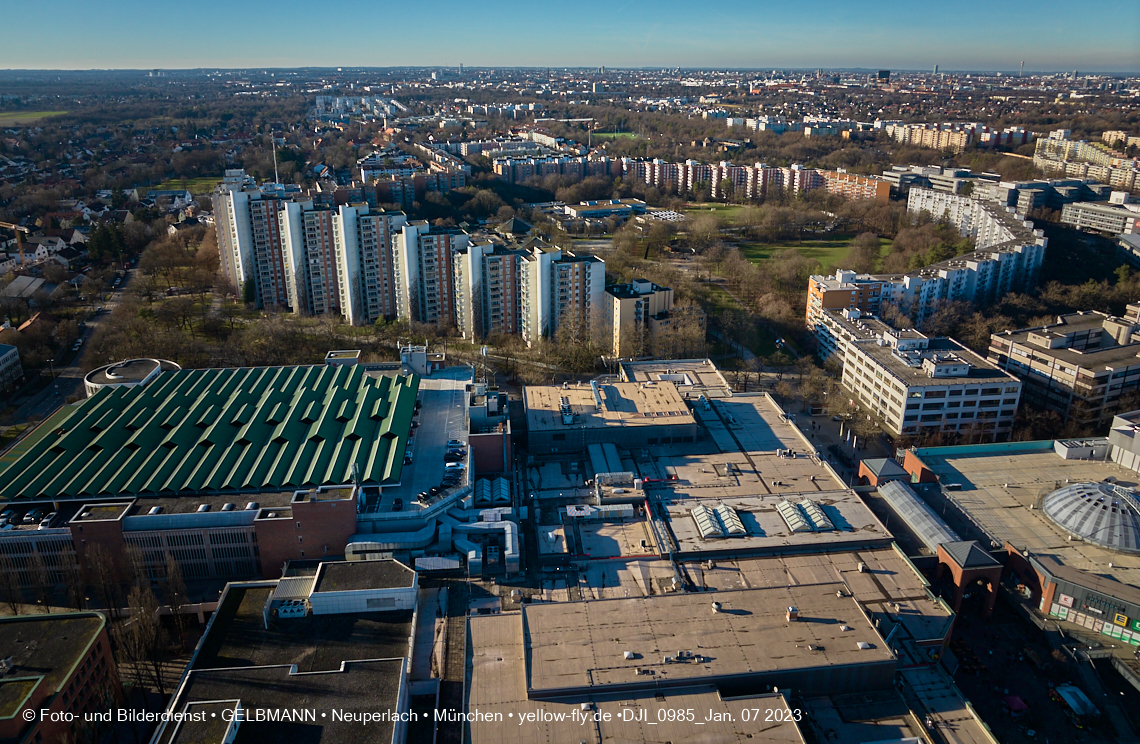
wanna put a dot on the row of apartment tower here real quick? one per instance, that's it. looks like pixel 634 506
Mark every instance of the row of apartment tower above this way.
pixel 303 252
pixel 749 181
pixel 1007 259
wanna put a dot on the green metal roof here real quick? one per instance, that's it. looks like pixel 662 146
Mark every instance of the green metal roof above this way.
pixel 241 429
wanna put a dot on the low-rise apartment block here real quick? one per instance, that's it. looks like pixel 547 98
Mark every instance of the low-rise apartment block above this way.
pixel 1085 366
pixel 919 385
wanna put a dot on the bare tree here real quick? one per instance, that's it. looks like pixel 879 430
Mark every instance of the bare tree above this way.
pixel 75 586
pixel 146 631
pixel 174 589
pixel 101 571
pixel 42 581
pixel 10 593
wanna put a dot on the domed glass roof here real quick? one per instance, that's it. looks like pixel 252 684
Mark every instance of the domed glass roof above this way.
pixel 1101 513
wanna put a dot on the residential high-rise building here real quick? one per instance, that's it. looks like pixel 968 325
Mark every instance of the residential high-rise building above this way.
pixel 368 262
pixel 488 290
pixel 1008 259
pixel 301 252
pixel 425 272
pixel 560 287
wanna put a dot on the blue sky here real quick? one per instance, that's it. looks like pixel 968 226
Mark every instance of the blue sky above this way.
pixel 955 34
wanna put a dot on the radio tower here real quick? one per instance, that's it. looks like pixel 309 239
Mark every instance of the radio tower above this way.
pixel 1022 70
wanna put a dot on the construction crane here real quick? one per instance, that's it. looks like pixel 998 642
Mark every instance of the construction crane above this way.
pixel 20 231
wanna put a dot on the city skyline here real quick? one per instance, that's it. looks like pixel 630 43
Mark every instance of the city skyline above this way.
pixel 969 37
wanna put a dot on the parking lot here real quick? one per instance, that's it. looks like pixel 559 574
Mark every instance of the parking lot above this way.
pixel 441 417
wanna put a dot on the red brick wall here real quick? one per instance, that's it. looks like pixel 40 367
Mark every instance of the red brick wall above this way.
pixel 490 453
pixel 915 466
pixel 95 678
pixel 317 529
pixel 107 534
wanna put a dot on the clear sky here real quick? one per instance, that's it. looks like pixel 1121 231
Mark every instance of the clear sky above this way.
pixel 1096 35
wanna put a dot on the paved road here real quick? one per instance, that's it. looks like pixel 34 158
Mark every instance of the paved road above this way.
pixel 70 370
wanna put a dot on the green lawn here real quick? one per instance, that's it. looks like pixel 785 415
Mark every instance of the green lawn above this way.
pixel 200 185
pixel 613 135
pixel 830 253
pixel 725 211
pixel 26 117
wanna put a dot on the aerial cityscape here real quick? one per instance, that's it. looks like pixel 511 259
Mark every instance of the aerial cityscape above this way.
pixel 749 375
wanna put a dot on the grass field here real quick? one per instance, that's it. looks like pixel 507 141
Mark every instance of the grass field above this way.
pixel 725 211
pixel 613 135
pixel 830 253
pixel 8 118
pixel 200 185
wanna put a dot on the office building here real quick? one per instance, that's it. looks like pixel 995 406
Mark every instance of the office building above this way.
pixel 1085 366
pixel 11 371
pixel 1026 196
pixel 631 314
pixel 919 385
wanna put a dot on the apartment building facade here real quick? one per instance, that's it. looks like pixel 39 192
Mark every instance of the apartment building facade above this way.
pixel 1007 259
pixel 305 253
pixel 1085 366
pixel 488 290
pixel 918 385
pixel 630 312
pixel 1113 219
pixel 425 272
pixel 560 287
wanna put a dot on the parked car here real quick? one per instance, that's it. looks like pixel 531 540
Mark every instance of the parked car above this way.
pixel 452 457
pixel 452 443
pixel 453 466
